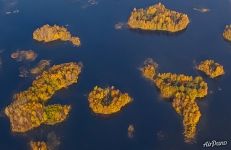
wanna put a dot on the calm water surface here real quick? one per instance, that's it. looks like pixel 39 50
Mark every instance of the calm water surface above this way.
pixel 112 57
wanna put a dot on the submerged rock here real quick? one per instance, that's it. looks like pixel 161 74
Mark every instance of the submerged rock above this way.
pixel 38 145
pixel 24 55
pixel 227 33
pixel 53 141
pixel 131 131
pixel 158 18
pixel 211 68
pixel 23 72
pixel 49 33
pixel 28 109
pixel 120 25
pixel 108 100
pixel 183 90
pixel 16 11
pixel 202 10
pixel 26 71
pixel 40 67
pixel 161 135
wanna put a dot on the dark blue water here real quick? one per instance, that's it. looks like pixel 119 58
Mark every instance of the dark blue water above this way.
pixel 112 57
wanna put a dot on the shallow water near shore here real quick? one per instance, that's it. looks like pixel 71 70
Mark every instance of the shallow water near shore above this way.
pixel 113 57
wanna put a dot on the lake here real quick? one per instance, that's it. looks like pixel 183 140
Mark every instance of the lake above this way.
pixel 113 57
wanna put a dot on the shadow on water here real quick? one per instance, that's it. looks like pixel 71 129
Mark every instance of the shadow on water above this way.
pixel 229 42
pixel 157 33
pixel 109 116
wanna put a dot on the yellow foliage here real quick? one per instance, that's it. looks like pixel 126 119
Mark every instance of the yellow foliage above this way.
pixel 39 145
pixel 56 113
pixel 45 85
pixel 170 84
pixel 49 33
pixel 108 100
pixel 158 18
pixel 189 110
pixel 183 90
pixel 27 111
pixel 227 32
pixel 211 68
pixel 25 116
pixel 149 69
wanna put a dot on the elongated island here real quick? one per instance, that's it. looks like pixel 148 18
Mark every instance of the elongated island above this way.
pixel 183 91
pixel 28 109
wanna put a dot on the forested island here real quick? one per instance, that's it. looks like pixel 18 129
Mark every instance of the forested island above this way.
pixel 107 100
pixel 227 33
pixel 211 68
pixel 49 33
pixel 28 109
pixel 158 18
pixel 183 90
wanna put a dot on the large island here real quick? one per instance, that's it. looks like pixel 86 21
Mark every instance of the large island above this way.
pixel 183 90
pixel 158 18
pixel 28 109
